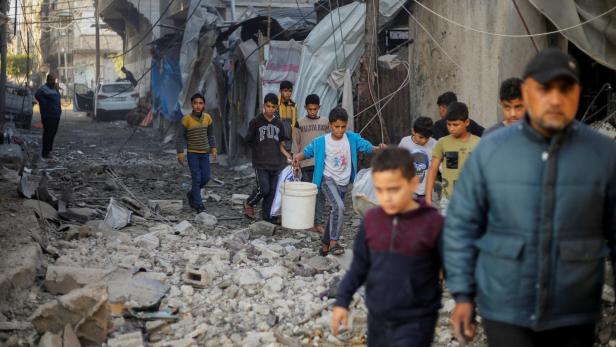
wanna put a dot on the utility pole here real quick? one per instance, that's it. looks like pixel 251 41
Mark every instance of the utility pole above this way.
pixel 368 85
pixel 98 54
pixel 3 37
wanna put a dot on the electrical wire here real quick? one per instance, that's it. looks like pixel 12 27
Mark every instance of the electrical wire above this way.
pixel 432 38
pixel 512 35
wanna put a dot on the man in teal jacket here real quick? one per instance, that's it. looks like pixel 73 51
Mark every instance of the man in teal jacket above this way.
pixel 533 218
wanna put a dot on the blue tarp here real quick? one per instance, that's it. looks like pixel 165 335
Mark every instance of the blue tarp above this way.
pixel 166 86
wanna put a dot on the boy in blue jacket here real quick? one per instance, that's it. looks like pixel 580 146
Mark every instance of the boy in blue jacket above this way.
pixel 335 167
pixel 396 255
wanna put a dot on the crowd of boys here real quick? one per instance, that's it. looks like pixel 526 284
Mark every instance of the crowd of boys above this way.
pixel 530 213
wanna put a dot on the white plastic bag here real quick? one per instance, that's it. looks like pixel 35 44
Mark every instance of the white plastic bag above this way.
pixel 363 194
pixel 286 175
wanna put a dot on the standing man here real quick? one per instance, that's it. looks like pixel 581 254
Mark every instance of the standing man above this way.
pixel 533 219
pixel 511 104
pixel 50 106
pixel 440 126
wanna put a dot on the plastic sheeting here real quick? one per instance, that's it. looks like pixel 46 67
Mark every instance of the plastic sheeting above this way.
pixel 596 38
pixel 337 42
pixel 282 65
pixel 166 85
pixel 196 55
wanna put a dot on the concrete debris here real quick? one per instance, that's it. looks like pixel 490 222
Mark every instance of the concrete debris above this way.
pixel 50 340
pixel 206 219
pixel 137 293
pixel 166 206
pixel 117 215
pixel 70 337
pixel 148 241
pixel 184 228
pixel 134 339
pixel 263 228
pixel 9 175
pixel 11 155
pixel 14 325
pixel 608 294
pixel 197 277
pixel 239 199
pixel 18 270
pixel 63 279
pixel 42 209
pixel 86 309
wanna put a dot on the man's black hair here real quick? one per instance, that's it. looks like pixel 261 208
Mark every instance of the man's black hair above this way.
pixel 423 126
pixel 286 85
pixel 197 96
pixel 394 158
pixel 511 89
pixel 457 111
pixel 446 98
pixel 338 113
pixel 313 99
pixel 271 97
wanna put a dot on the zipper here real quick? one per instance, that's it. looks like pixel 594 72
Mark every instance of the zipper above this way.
pixel 394 234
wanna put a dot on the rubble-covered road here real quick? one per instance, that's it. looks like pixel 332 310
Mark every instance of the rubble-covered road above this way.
pixel 169 277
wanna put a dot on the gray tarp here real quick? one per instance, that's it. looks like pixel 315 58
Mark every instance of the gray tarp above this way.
pixel 596 38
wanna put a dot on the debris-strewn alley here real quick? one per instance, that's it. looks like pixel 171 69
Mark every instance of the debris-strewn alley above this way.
pixel 167 278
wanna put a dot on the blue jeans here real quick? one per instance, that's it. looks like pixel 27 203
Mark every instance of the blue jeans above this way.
pixel 334 194
pixel 199 165
pixel 416 332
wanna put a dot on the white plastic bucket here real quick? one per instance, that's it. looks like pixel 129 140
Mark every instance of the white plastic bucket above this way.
pixel 298 202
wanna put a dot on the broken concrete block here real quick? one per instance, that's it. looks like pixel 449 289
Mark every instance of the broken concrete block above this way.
pixel 263 228
pixel 166 206
pixel 86 309
pixel 206 219
pixel 152 326
pixel 42 209
pixel 18 270
pixel 184 228
pixel 148 241
pixel 246 277
pixel 157 276
pixel 212 197
pixel 70 338
pixel 141 293
pixel 11 155
pixel 14 325
pixel 50 339
pixel 196 276
pixel 238 199
pixel 63 279
pixel 134 339
pixel 161 230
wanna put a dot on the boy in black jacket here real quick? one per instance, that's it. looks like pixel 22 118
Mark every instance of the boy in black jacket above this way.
pixel 396 255
pixel 266 137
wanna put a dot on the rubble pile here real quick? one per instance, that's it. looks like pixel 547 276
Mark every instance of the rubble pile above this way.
pixel 113 256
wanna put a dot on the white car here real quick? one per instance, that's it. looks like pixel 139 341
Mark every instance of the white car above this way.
pixel 115 99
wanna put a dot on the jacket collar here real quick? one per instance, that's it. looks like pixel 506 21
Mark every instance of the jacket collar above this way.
pixel 534 135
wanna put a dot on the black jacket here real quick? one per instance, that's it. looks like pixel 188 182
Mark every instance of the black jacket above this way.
pixel 265 137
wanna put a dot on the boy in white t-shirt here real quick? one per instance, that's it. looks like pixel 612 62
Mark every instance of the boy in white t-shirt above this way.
pixel 420 144
pixel 335 166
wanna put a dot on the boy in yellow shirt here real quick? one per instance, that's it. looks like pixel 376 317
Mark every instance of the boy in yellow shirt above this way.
pixel 195 132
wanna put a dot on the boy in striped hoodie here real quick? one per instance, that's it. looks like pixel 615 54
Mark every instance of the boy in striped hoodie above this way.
pixel 195 133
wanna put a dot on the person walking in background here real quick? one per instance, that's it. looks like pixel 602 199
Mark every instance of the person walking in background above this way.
pixel 420 144
pixel 50 106
pixel 532 220
pixel 440 126
pixel 195 133
pixel 511 104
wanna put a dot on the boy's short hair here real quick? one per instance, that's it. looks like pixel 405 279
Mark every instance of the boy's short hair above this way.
pixel 197 96
pixel 271 97
pixel 457 111
pixel 423 126
pixel 286 85
pixel 338 113
pixel 511 89
pixel 313 99
pixel 394 158
pixel 446 98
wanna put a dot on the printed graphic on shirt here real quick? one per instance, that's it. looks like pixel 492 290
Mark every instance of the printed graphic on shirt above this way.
pixel 268 131
pixel 337 160
pixel 422 163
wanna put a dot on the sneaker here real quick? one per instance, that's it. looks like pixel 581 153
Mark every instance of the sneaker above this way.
pixel 200 209
pixel 249 211
pixel 191 203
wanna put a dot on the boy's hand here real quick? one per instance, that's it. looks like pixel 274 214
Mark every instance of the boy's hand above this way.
pixel 382 145
pixel 339 316
pixel 181 158
pixel 462 319
pixel 295 162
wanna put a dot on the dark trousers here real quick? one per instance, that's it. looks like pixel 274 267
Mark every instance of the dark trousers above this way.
pixel 50 128
pixel 267 181
pixel 418 332
pixel 505 335
pixel 199 165
pixel 334 194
